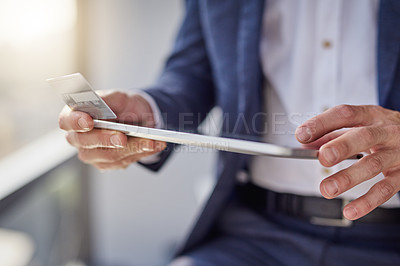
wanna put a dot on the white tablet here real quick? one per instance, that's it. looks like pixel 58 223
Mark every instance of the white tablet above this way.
pixel 79 95
pixel 218 143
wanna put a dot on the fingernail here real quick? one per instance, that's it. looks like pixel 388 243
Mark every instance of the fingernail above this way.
pixel 147 146
pixel 160 145
pixel 350 213
pixel 331 187
pixel 83 124
pixel 303 134
pixel 330 154
pixel 116 141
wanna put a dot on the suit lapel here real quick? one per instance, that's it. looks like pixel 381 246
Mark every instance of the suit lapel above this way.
pixel 249 72
pixel 248 82
pixel 388 50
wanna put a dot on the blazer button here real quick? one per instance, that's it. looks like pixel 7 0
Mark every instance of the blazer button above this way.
pixel 326 44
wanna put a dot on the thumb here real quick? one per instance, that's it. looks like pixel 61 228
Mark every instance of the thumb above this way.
pixel 324 139
pixel 130 108
pixel 116 100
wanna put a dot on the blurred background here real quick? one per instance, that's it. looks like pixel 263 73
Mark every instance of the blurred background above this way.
pixel 54 210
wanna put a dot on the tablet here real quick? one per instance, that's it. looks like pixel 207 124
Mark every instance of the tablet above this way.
pixel 79 95
pixel 218 143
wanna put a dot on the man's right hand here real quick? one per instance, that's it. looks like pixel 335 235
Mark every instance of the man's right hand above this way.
pixel 107 149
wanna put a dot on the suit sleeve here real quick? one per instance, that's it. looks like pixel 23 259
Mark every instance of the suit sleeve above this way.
pixel 184 92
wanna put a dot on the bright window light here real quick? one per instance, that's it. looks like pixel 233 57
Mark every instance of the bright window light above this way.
pixel 25 20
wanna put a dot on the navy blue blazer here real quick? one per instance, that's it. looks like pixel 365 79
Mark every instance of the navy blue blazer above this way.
pixel 215 62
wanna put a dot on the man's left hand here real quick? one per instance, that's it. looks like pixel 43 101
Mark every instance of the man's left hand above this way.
pixel 373 130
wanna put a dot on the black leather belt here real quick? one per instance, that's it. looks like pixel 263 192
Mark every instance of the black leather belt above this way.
pixel 316 210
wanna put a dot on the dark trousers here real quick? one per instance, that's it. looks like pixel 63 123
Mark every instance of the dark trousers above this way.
pixel 246 238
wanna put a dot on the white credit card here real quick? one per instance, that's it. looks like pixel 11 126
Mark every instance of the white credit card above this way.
pixel 80 96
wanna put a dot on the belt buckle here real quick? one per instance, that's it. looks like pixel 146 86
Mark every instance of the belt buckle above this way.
pixel 342 222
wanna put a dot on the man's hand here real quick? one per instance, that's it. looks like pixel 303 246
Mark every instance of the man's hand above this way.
pixel 374 130
pixel 107 149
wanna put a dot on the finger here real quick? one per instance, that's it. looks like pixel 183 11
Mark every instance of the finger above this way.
pixel 116 100
pixel 138 112
pixel 130 109
pixel 376 196
pixel 124 163
pixel 364 169
pixel 352 142
pixel 75 121
pixel 144 145
pixel 97 138
pixel 102 167
pixel 336 118
pixel 315 145
pixel 134 146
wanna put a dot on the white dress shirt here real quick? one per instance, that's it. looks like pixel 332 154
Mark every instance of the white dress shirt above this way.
pixel 315 54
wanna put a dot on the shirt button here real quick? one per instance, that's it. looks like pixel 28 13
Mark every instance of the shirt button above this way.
pixel 326 44
pixel 326 171
pixel 242 177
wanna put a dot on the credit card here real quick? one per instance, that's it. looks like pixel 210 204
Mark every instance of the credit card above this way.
pixel 80 96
